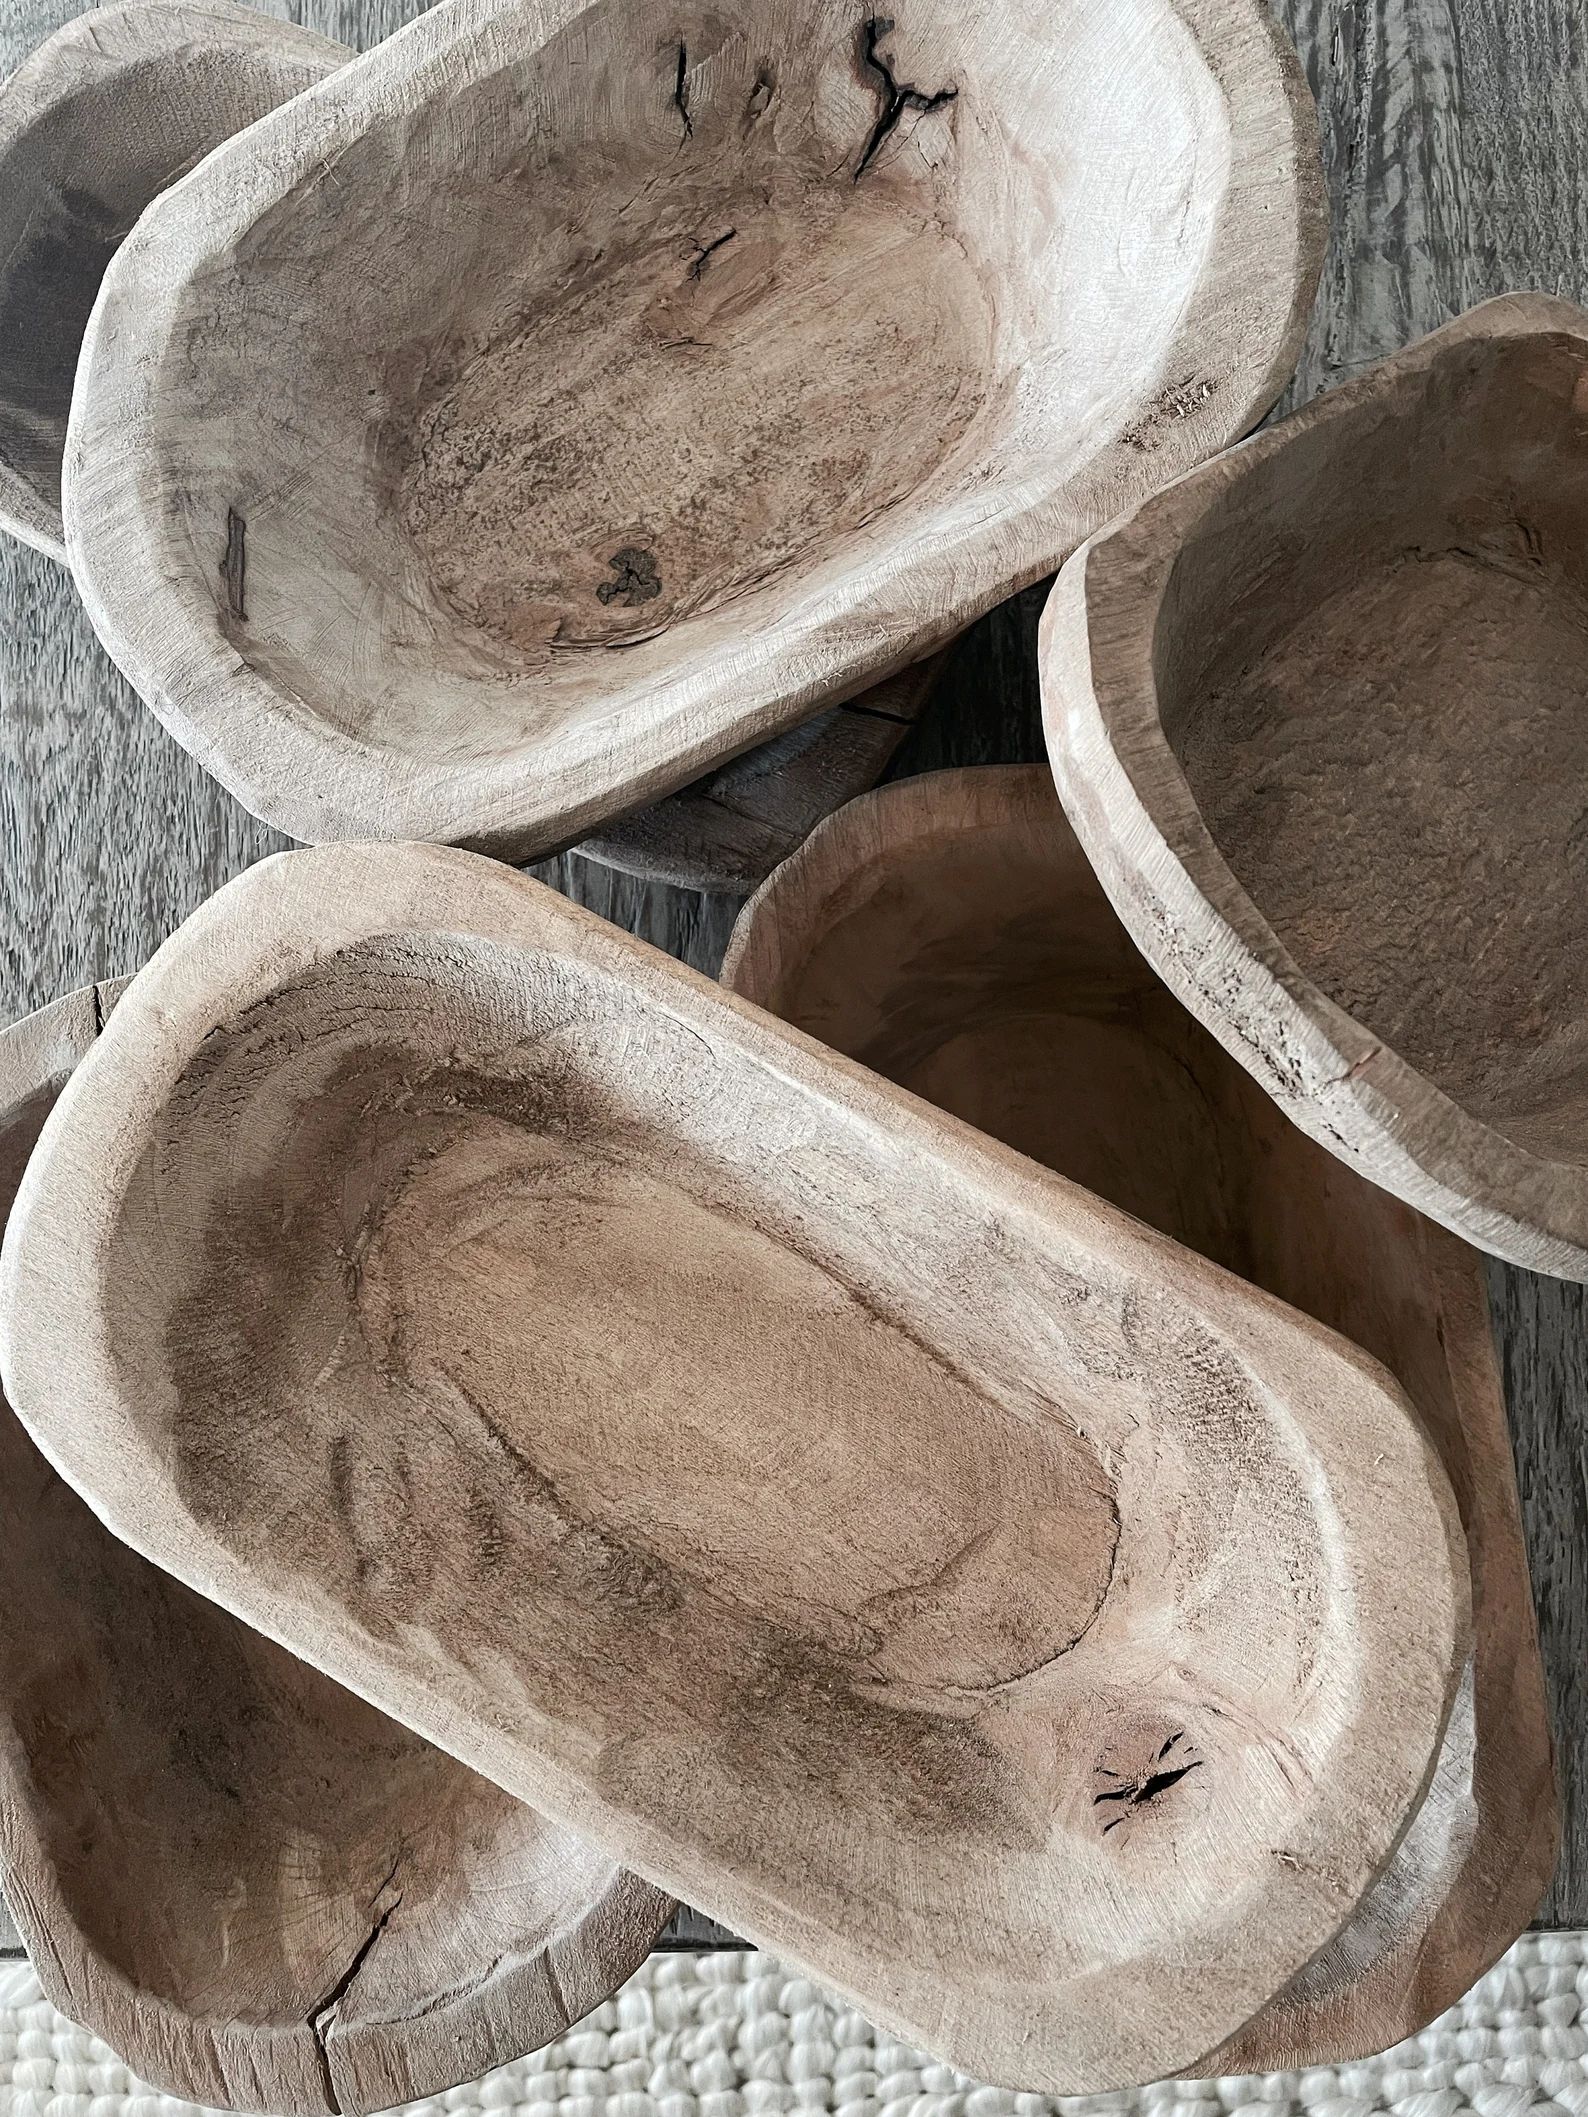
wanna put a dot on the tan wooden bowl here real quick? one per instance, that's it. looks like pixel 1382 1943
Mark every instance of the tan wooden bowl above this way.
pixel 1030 1628
pixel 259 1891
pixel 949 932
pixel 564 397
pixel 1316 716
pixel 102 116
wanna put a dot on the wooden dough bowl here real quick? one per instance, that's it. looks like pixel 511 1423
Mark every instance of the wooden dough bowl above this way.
pixel 103 116
pixel 1317 715
pixel 565 397
pixel 949 932
pixel 1031 1629
pixel 261 1892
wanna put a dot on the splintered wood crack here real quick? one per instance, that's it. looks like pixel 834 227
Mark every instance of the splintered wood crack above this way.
pixel 322 2018
pixel 1132 1795
pixel 897 98
pixel 704 252
pixel 681 90
pixel 234 563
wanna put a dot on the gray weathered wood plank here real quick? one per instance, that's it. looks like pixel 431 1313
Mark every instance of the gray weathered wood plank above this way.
pixel 1456 138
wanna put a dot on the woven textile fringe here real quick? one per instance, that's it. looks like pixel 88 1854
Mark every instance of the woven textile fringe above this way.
pixel 740 2036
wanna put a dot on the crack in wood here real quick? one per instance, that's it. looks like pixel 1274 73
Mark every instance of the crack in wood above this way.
pixel 897 99
pixel 681 90
pixel 704 252
pixel 234 564
pixel 322 2018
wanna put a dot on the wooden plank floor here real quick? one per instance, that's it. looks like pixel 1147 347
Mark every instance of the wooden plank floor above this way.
pixel 1456 140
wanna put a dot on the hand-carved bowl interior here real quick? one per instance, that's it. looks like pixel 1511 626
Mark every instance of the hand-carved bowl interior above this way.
pixel 565 398
pixel 1318 716
pixel 259 1890
pixel 939 1576
pixel 104 115
pixel 949 932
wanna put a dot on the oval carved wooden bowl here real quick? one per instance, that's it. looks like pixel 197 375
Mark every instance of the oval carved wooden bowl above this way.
pixel 102 117
pixel 621 384
pixel 1315 714
pixel 110 110
pixel 949 932
pixel 259 1890
pixel 936 1575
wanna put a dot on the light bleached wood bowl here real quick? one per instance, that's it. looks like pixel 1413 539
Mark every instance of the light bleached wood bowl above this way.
pixel 564 398
pixel 262 1893
pixel 1316 715
pixel 1033 1630
pixel 102 117
pixel 949 932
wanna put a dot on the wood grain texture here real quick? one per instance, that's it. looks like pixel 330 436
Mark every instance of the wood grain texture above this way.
pixel 397 1191
pixel 729 830
pixel 255 1888
pixel 949 932
pixel 1456 153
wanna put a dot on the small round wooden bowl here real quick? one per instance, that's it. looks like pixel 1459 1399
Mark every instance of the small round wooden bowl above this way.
pixel 873 1538
pixel 258 1890
pixel 1316 715
pixel 564 399
pixel 103 116
pixel 949 932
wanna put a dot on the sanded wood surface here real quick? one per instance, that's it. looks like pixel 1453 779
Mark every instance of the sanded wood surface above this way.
pixel 1456 151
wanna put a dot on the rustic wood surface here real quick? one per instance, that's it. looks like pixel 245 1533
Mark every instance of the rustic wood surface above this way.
pixel 949 931
pixel 1380 910
pixel 95 122
pixel 419 597
pixel 1456 148
pixel 1045 1779
pixel 257 1890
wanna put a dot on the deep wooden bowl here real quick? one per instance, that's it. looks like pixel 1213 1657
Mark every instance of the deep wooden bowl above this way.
pixel 1316 716
pixel 566 397
pixel 949 932
pixel 259 1890
pixel 1035 1631
pixel 102 117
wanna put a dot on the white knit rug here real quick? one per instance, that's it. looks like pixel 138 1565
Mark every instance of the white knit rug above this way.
pixel 739 2036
